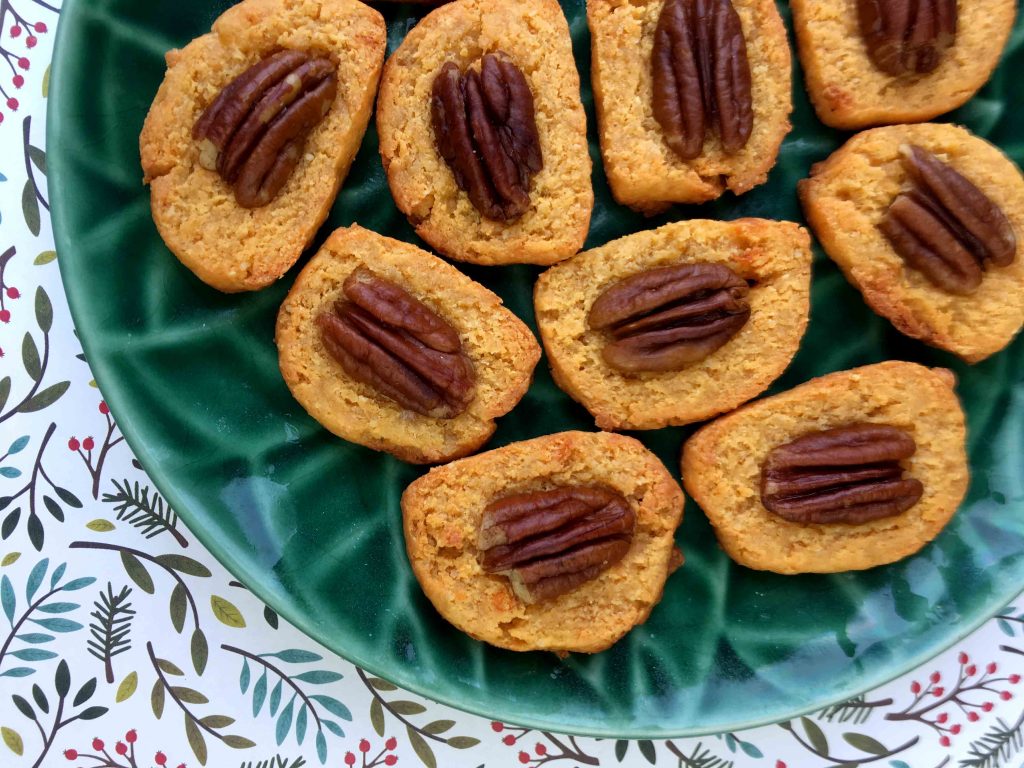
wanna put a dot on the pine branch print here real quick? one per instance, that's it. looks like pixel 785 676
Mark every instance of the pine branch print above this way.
pixel 151 515
pixel 182 601
pixel 700 757
pixel 112 625
pixel 275 762
pixel 856 710
pixel 997 746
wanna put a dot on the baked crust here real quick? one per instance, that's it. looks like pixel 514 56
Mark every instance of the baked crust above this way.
pixel 442 510
pixel 722 468
pixel 849 92
pixel 535 34
pixel 644 173
pixel 848 194
pixel 229 247
pixel 501 348
pixel 775 254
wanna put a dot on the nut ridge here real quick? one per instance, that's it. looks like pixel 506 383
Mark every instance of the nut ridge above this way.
pixel 385 337
pixel 907 36
pixel 548 543
pixel 850 474
pixel 701 76
pixel 485 129
pixel 254 132
pixel 945 227
pixel 667 318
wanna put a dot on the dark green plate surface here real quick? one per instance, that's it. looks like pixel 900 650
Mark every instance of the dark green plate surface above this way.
pixel 312 523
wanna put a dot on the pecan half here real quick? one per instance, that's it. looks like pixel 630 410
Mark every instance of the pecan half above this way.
pixel 549 542
pixel 385 337
pixel 945 227
pixel 666 318
pixel 850 474
pixel 486 131
pixel 254 132
pixel 701 76
pixel 907 36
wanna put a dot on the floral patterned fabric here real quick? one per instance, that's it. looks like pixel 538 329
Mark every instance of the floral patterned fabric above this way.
pixel 123 643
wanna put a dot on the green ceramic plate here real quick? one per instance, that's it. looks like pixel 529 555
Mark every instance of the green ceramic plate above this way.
pixel 312 523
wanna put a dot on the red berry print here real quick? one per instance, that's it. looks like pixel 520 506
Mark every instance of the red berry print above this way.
pixel 973 716
pixel 510 740
pixel 541 750
pixel 962 658
pixel 938 691
pixel 30 41
pixel 16 32
pixel 121 748
pixel 88 444
pixel 350 759
pixel 70 754
pixel 390 760
pixel 74 445
pixel 944 741
pixel 991 668
pixel 12 104
pixel 131 736
pixel 1014 679
pixel 779 764
pixel 97 744
pixel 987 706
pixel 391 743
pixel 104 408
pixel 13 293
pixel 40 27
pixel 935 677
pixel 497 727
pixel 524 758
pixel 915 687
pixel 364 745
pixel 1005 695
pixel 18 81
pixel 955 729
pixel 23 63
pixel 160 758
pixel 971 670
pixel 5 315
pixel 942 718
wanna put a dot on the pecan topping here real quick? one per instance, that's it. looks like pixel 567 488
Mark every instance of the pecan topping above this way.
pixel 945 227
pixel 851 474
pixel 907 36
pixel 387 338
pixel 549 542
pixel 667 318
pixel 254 132
pixel 485 130
pixel 701 76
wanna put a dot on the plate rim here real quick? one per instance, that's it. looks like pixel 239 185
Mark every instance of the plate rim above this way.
pixel 108 385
